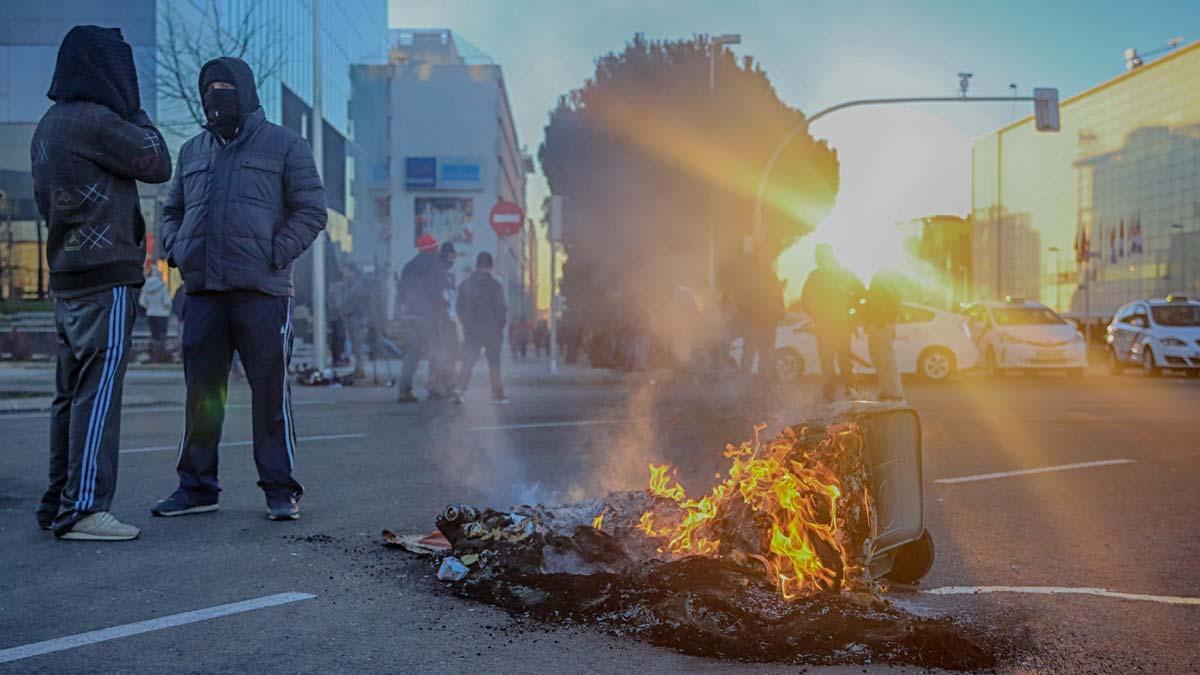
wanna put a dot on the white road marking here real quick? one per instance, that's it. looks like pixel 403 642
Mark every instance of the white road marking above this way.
pixel 133 410
pixel 327 437
pixel 551 425
pixel 1064 590
pixel 104 634
pixel 1026 472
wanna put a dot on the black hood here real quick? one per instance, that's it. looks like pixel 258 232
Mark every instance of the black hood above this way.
pixel 236 72
pixel 96 64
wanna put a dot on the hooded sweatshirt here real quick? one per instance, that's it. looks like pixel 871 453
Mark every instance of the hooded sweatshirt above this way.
pixel 243 208
pixel 88 151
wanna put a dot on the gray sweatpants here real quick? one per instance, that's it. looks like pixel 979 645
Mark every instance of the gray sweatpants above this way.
pixel 85 420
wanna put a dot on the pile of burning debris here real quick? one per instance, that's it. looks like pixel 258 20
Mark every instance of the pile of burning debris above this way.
pixel 773 564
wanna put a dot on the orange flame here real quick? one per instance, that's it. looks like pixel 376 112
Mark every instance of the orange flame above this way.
pixel 793 488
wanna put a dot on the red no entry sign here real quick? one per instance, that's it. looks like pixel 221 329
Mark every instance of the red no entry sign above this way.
pixel 506 218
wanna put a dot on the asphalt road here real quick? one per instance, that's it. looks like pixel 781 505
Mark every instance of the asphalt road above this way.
pixel 1127 527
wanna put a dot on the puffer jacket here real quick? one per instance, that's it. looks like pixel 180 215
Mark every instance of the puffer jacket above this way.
pixel 241 212
pixel 87 153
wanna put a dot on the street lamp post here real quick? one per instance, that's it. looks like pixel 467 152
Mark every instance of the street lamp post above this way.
pixel 717 43
pixel 1057 278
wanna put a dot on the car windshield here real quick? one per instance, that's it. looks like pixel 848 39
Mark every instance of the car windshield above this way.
pixel 1184 315
pixel 1024 316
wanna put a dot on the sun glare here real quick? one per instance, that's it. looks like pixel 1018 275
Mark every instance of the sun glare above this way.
pixel 897 164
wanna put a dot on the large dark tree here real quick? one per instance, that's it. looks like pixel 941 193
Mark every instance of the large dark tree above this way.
pixel 643 153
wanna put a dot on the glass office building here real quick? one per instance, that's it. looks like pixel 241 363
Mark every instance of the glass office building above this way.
pixel 1105 211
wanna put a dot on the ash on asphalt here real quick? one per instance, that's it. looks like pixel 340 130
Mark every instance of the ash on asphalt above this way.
pixel 706 607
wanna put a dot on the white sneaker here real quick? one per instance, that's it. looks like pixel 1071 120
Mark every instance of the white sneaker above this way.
pixel 101 526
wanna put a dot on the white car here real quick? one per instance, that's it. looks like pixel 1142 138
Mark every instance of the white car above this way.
pixel 1155 335
pixel 929 342
pixel 1024 335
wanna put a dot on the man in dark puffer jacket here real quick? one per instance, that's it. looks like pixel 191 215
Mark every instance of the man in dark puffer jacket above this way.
pixel 246 202
pixel 88 151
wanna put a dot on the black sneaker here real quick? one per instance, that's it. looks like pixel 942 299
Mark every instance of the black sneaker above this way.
pixel 406 396
pixel 283 509
pixel 183 504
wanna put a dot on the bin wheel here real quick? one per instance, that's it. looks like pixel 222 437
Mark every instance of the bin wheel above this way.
pixel 913 560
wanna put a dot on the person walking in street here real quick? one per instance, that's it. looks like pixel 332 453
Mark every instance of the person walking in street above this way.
pixel 87 152
pixel 156 301
pixel 880 314
pixel 246 203
pixel 483 312
pixel 830 297
pixel 422 287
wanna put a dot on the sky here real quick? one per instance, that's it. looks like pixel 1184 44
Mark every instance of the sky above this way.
pixel 897 163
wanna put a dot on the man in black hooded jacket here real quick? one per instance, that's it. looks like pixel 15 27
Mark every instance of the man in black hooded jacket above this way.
pixel 246 202
pixel 88 151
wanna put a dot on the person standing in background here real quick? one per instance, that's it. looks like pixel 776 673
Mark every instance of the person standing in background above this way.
pixel 421 289
pixel 830 298
pixel 483 311
pixel 156 301
pixel 88 150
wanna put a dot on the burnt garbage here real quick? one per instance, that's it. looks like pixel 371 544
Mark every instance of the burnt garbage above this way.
pixel 773 564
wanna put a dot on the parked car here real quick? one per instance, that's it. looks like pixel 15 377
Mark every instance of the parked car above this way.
pixel 1017 334
pixel 929 342
pixel 1155 335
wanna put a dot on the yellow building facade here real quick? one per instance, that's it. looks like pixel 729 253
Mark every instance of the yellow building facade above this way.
pixel 1103 212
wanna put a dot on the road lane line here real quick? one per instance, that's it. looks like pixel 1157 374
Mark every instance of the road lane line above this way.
pixel 326 437
pixel 551 425
pixel 105 634
pixel 1064 590
pixel 1027 472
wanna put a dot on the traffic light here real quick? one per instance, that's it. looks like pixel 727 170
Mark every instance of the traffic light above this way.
pixel 1045 109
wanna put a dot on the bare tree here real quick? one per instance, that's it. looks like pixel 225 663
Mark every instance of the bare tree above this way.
pixel 202 31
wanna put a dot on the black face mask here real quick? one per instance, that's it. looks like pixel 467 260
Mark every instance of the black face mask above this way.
pixel 223 112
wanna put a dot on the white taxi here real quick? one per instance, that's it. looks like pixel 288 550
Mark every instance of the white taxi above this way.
pixel 930 342
pixel 1155 335
pixel 1017 334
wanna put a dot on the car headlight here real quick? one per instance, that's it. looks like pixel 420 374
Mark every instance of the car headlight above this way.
pixel 1173 342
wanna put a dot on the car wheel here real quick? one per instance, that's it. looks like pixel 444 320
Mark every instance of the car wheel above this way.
pixel 913 560
pixel 789 365
pixel 936 364
pixel 1115 367
pixel 989 363
pixel 1149 367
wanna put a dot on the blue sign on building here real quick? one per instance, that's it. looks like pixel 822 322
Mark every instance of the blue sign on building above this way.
pixel 420 173
pixel 458 174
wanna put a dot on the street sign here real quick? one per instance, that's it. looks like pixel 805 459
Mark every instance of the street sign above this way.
pixel 506 218
pixel 1045 109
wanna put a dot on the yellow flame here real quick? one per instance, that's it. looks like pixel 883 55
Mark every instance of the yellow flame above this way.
pixel 798 494
pixel 598 521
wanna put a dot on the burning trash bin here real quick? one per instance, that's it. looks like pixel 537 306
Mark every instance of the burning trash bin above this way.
pixel 783 559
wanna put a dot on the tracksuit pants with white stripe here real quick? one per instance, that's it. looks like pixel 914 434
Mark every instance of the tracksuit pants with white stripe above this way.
pixel 259 328
pixel 85 420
